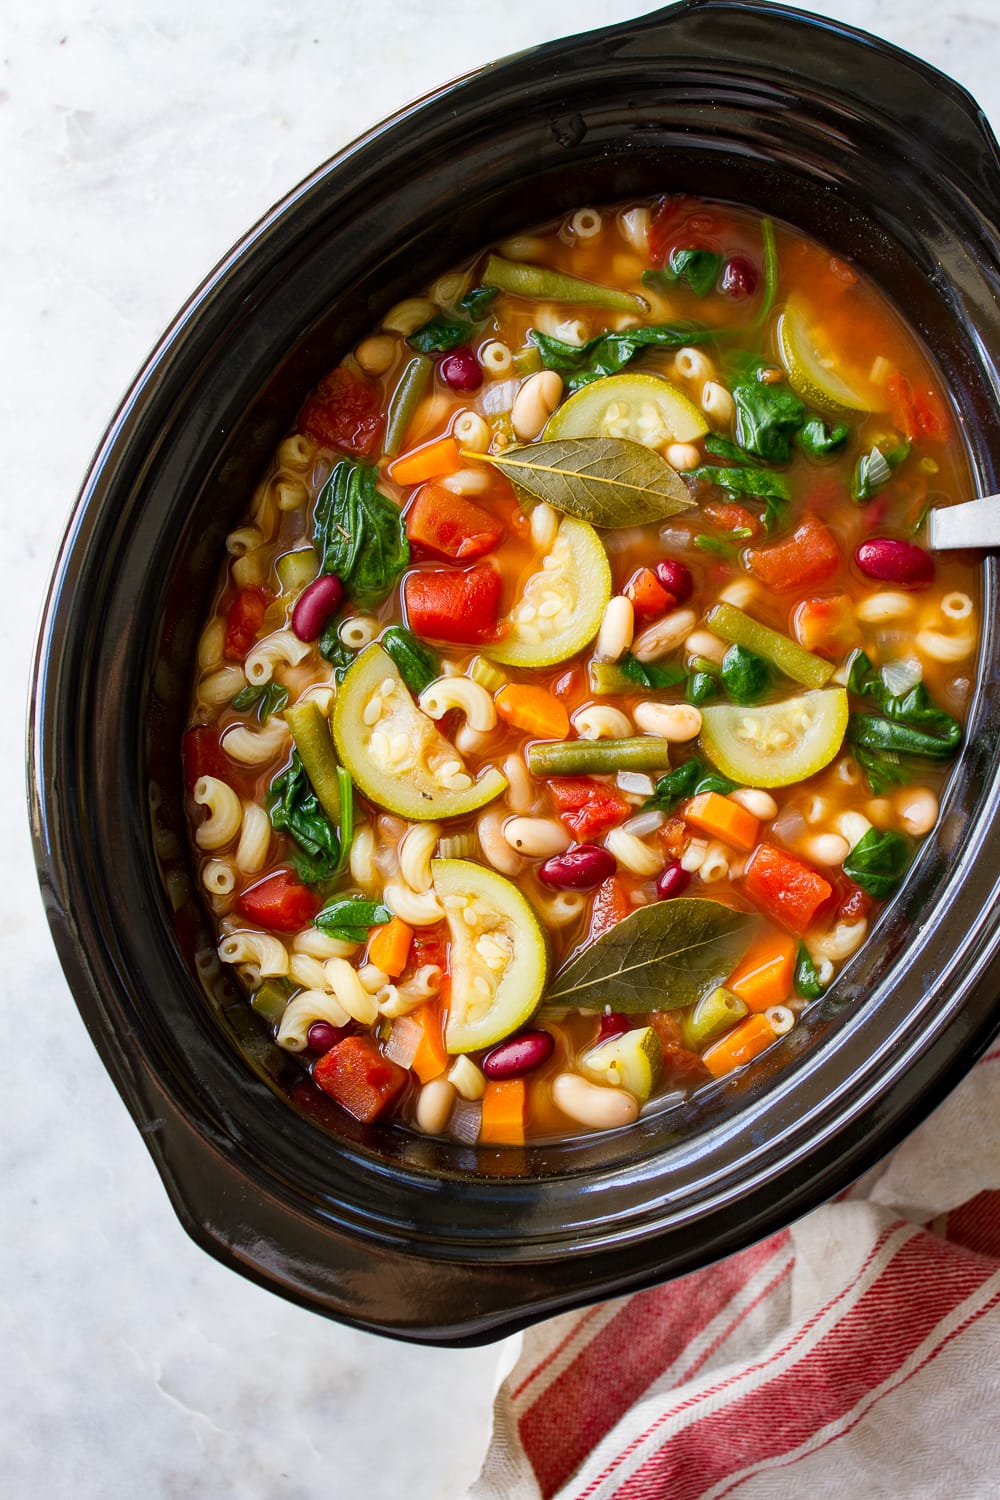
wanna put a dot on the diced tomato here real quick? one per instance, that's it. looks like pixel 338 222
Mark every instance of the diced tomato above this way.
pixel 672 836
pixel 280 902
pixel 725 517
pixel 680 1064
pixel 904 412
pixel 244 619
pixel 430 946
pixel 931 415
pixel 809 556
pixel 344 411
pixel 855 903
pixel 454 606
pixel 202 755
pixel 451 526
pixel 360 1078
pixel 649 598
pixel 784 888
pixel 609 907
pixel 569 685
pixel 828 626
pixel 587 807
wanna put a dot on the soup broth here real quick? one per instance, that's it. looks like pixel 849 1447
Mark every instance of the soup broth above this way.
pixel 579 684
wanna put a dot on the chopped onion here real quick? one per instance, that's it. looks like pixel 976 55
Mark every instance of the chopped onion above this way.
pixel 789 826
pixel 404 1040
pixel 898 677
pixel 675 536
pixel 647 822
pixel 457 846
pixel 466 1118
pixel 498 397
pixel 878 467
pixel 636 782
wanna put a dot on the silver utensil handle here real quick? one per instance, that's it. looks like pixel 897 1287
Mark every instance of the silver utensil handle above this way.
pixel 974 524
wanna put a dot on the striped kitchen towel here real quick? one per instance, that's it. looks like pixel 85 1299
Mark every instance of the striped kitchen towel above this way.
pixel 857 1352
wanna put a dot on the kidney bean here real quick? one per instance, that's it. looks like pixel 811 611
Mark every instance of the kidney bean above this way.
pixel 321 1036
pixel 580 869
pixel 518 1054
pixel 612 1025
pixel 892 561
pixel 315 605
pixel 460 369
pixel 739 277
pixel 674 881
pixel 675 577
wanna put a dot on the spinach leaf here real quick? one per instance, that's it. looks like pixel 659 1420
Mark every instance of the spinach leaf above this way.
pixel 418 664
pixel 699 268
pixel 360 534
pixel 755 483
pixel 721 447
pixel 294 808
pixel 687 780
pixel 349 918
pixel 767 416
pixel 746 676
pixel 717 546
pixel 607 353
pixel 819 440
pixel 647 674
pixel 878 862
pixel 440 334
pixel 806 978
pixel 477 302
pixel 911 725
pixel 902 739
pixel 269 699
pixel 883 769
pixel 333 649
pixel 701 686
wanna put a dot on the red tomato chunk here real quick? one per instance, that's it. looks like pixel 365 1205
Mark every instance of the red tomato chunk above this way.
pixel 611 906
pixel 244 619
pixel 454 606
pixel 280 902
pixel 451 526
pixel 344 411
pixel 809 556
pixel 784 888
pixel 360 1078
pixel 587 807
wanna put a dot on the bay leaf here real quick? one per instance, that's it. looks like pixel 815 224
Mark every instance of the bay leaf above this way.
pixel 660 957
pixel 606 481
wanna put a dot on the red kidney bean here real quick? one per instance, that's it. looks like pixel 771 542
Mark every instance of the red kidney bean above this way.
pixel 739 277
pixel 613 1025
pixel 315 605
pixel 891 561
pixel 321 1036
pixel 518 1054
pixel 674 881
pixel 461 370
pixel 675 577
pixel 580 869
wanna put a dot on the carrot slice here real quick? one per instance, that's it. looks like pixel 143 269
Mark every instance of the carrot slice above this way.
pixel 766 973
pixel 389 947
pixel 722 818
pixel 533 709
pixel 430 1059
pixel 503 1113
pixel 430 461
pixel 739 1046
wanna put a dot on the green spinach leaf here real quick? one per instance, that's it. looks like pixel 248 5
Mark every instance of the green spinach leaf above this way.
pixel 350 918
pixel 878 862
pixel 269 699
pixel 687 780
pixel 767 416
pixel 477 302
pixel 699 268
pixel 294 808
pixel 746 676
pixel 648 674
pixel 806 978
pixel 360 534
pixel 819 440
pixel 874 469
pixel 607 353
pixel 910 725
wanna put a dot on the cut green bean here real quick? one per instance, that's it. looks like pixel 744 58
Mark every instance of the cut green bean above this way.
pixel 296 569
pixel 645 752
pixel 487 674
pixel 732 625
pixel 527 361
pixel 607 678
pixel 314 742
pixel 555 286
pixel 711 1016
pixel 270 999
pixel 404 401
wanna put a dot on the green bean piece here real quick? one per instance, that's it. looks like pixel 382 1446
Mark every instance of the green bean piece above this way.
pixel 646 752
pixel 528 361
pixel 404 401
pixel 296 569
pixel 555 286
pixel 788 656
pixel 607 679
pixel 713 1014
pixel 270 998
pixel 314 742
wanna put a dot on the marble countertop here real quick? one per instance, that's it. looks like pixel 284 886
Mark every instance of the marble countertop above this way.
pixel 138 142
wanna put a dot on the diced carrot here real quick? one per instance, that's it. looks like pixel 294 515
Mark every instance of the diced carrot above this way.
pixel 430 461
pixel 610 906
pixel 806 558
pixel 389 947
pixel 533 709
pixel 722 818
pixel 827 626
pixel 738 1046
pixel 503 1113
pixel 430 1059
pixel 649 598
pixel 766 973
pixel 784 888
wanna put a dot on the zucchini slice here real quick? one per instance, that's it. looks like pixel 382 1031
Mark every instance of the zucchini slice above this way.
pixel 576 574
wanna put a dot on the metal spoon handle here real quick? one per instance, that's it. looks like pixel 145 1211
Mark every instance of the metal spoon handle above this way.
pixel 974 524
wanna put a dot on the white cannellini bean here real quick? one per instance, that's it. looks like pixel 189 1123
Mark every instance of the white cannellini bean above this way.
pixel 827 849
pixel 741 592
pixel 376 354
pixel 544 521
pixel 704 643
pixel 756 801
pixel 409 315
pixel 675 722
pixel 617 628
pixel 664 636
pixel 467 482
pixel 435 1103
pixel 489 829
pixel 593 1104
pixel 917 809
pixel 536 400
pixel 682 456
pixel 538 838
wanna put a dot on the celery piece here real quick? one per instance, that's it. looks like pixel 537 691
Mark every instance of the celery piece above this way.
pixel 556 286
pixel 646 752
pixel 487 674
pixel 713 1014
pixel 788 656
pixel 296 569
pixel 404 401
pixel 269 1000
pixel 527 361
pixel 313 741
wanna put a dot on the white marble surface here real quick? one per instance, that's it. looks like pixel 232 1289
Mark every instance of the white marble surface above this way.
pixel 138 141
